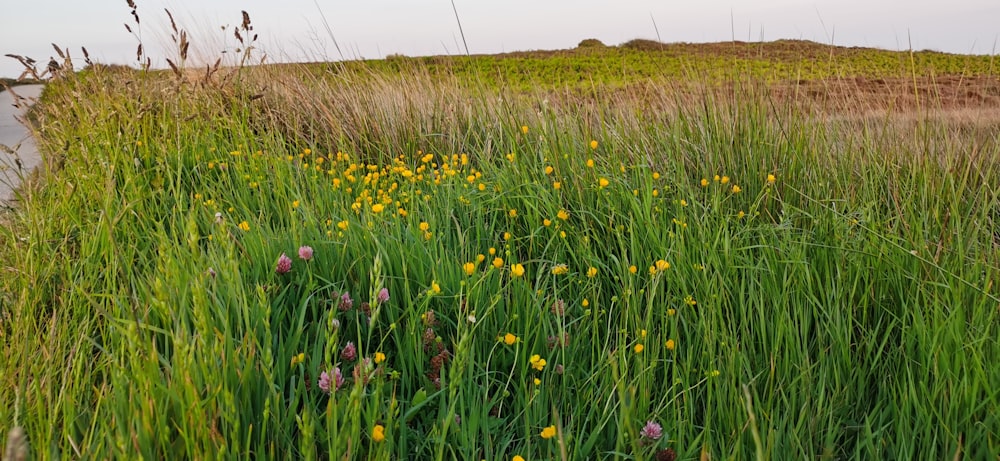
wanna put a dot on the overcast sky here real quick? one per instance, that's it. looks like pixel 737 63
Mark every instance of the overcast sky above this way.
pixel 294 29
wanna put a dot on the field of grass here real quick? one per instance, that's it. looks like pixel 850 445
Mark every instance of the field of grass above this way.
pixel 635 62
pixel 424 261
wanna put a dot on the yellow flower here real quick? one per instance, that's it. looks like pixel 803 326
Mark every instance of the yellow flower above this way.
pixel 517 458
pixel 498 262
pixel 424 226
pixel 632 269
pixel 662 265
pixel 493 251
pixel 480 258
pixel 559 269
pixel 736 189
pixel 378 433
pixel 537 381
pixel 244 226
pixel 704 182
pixel 683 202
pixel 593 144
pixel 724 180
pixel 342 225
pixel 670 344
pixel 537 362
pixel 377 208
pixel 295 204
pixel 671 312
pixel 656 192
pixel 586 302
pixel 506 236
pixel 740 215
pixel 638 348
pixel 546 222
pixel 435 288
pixel 689 300
pixel 469 268
pixel 771 179
pixel 548 169
pixel 642 334
pixel 557 185
pixel 590 163
pixel 563 215
pixel 299 358
pixel 524 129
pixel 427 158
pixel 548 432
pixel 516 270
pixel 602 183
pixel 592 272
pixel 481 187
pixel 379 357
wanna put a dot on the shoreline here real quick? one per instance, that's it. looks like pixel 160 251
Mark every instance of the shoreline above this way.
pixel 19 155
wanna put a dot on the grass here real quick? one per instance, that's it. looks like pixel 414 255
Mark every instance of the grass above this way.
pixel 561 268
pixel 636 62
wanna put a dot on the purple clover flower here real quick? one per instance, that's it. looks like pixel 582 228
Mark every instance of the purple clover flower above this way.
pixel 284 264
pixel 651 430
pixel 331 381
pixel 350 352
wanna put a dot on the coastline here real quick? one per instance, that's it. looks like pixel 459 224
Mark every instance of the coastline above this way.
pixel 19 154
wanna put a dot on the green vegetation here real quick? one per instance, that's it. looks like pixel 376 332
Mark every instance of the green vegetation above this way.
pixel 593 65
pixel 591 43
pixel 564 271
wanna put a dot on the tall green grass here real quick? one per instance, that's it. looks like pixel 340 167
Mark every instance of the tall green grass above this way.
pixel 845 309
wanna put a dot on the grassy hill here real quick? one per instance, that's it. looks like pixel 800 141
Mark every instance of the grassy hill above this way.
pixel 637 252
pixel 639 60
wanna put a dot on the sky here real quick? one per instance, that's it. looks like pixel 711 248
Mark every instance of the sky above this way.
pixel 313 30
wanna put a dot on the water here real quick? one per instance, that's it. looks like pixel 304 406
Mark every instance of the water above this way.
pixel 17 137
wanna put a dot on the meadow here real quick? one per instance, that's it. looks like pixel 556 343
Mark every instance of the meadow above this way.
pixel 443 258
pixel 593 64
